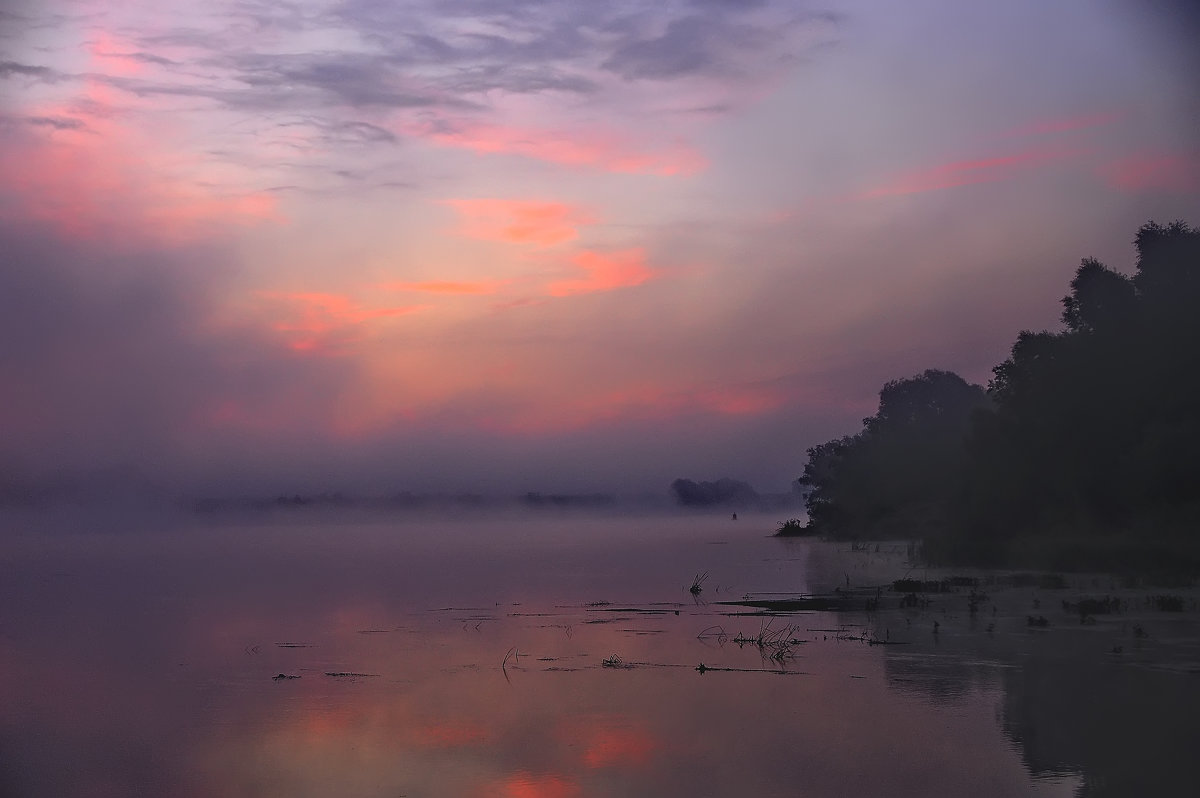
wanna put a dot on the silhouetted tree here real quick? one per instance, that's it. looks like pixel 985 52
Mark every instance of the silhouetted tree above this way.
pixel 898 473
pixel 1100 299
pixel 1096 429
pixel 1091 434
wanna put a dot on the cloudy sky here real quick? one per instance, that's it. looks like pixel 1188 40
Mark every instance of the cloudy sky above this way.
pixel 547 244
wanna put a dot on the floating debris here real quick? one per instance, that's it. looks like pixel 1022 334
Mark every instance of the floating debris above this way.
pixel 348 674
pixel 798 604
pixel 918 586
pixel 615 661
pixel 702 669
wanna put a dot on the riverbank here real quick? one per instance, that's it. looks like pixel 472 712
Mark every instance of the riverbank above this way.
pixel 1150 558
pixel 1114 613
pixel 1173 560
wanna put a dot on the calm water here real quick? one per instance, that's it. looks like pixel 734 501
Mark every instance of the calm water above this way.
pixel 552 656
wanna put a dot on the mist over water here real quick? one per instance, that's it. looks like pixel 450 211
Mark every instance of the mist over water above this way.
pixel 379 382
pixel 543 654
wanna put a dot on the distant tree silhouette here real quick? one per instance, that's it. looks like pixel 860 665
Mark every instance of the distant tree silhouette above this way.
pixel 724 491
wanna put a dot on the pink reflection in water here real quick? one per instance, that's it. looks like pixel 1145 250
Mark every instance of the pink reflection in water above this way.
pixel 148 664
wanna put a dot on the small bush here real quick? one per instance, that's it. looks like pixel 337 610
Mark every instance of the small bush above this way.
pixel 792 526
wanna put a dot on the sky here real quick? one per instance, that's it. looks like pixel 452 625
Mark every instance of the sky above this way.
pixel 561 245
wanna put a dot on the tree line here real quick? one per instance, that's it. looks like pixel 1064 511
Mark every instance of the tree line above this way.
pixel 1083 451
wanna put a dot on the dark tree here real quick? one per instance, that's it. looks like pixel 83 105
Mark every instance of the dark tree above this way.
pixel 1100 300
pixel 897 474
pixel 1086 451
pixel 1095 435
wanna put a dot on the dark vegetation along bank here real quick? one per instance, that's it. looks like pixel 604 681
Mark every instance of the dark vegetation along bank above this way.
pixel 728 494
pixel 1083 452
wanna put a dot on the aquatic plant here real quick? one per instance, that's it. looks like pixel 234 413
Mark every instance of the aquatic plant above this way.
pixel 775 644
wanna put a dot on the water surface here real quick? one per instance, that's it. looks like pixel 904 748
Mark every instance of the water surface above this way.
pixel 558 655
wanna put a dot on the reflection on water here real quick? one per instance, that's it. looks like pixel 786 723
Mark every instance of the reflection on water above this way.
pixel 546 657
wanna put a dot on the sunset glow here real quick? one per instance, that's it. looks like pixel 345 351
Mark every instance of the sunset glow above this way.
pixel 550 227
pixel 966 173
pixel 518 221
pixel 576 148
pixel 604 272
pixel 588 398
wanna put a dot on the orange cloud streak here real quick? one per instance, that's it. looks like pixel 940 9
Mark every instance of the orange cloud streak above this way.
pixel 320 323
pixel 571 148
pixel 605 272
pixel 643 402
pixel 518 221
pixel 448 287
pixel 743 402
pixel 963 173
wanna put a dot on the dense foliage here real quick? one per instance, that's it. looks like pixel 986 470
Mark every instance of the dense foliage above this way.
pixel 1089 435
pixel 897 476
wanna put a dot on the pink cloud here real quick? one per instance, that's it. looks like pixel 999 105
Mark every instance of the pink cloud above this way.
pixel 605 272
pixel 518 221
pixel 1168 172
pixel 89 186
pixel 1063 124
pixel 964 173
pixel 583 148
pixel 743 402
pixel 448 287
pixel 99 174
pixel 645 401
pixel 325 324
pixel 521 302
pixel 107 52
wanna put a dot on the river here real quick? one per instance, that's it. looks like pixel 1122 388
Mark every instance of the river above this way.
pixel 543 655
